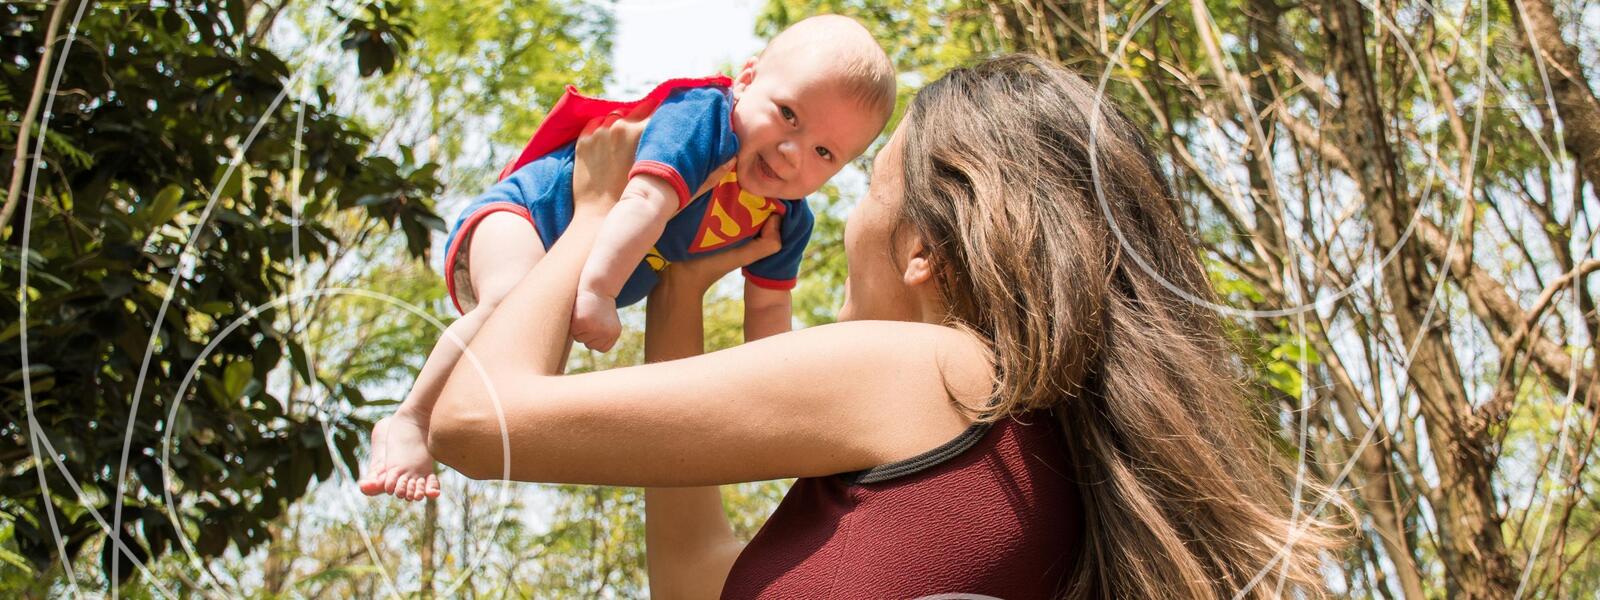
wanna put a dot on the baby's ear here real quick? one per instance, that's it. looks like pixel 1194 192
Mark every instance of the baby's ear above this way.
pixel 747 74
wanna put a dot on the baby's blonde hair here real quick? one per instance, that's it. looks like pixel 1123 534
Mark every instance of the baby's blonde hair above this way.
pixel 866 73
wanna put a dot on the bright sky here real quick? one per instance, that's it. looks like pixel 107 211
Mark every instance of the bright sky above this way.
pixel 662 39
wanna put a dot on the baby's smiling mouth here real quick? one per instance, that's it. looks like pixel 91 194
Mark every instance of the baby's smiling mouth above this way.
pixel 766 169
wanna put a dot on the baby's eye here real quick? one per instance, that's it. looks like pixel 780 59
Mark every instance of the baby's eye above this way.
pixel 788 114
pixel 824 153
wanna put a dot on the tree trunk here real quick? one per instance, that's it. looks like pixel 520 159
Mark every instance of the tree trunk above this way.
pixel 1576 103
pixel 430 522
pixel 1474 555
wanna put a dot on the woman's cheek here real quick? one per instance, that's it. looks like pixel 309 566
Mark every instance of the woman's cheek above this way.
pixel 844 305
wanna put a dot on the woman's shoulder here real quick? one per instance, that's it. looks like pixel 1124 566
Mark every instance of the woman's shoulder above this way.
pixel 913 338
pixel 953 363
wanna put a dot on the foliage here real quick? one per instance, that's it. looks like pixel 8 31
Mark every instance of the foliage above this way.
pixel 162 224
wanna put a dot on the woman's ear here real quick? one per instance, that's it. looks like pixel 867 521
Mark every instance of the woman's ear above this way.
pixel 747 74
pixel 919 267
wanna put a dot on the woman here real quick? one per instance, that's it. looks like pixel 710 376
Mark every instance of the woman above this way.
pixel 1010 406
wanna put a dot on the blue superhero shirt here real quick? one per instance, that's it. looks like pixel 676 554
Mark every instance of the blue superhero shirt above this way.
pixel 688 137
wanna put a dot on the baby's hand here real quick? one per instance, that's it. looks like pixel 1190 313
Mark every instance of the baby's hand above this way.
pixel 594 321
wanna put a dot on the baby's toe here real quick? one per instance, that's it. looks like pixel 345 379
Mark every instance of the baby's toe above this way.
pixel 432 488
pixel 371 483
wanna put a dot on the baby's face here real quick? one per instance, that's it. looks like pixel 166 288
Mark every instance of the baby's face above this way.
pixel 797 127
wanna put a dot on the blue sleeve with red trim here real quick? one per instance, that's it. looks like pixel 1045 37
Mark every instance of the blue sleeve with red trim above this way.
pixel 780 270
pixel 688 136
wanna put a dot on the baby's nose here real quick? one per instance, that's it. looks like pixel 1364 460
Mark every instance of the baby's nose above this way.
pixel 790 150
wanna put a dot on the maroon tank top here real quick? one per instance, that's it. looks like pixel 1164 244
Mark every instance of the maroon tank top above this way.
pixel 989 513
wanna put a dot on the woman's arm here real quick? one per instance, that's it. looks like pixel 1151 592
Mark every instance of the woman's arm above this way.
pixel 766 312
pixel 813 402
pixel 690 546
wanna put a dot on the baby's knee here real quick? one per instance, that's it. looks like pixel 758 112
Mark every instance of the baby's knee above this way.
pixel 491 288
pixel 486 304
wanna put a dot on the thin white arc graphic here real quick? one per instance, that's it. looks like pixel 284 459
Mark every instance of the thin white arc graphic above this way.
pixel 338 459
pixel 1366 440
pixel 166 302
pixel 170 503
pixel 1557 156
pixel 1138 259
pixel 1142 262
pixel 1427 315
pixel 83 499
pixel 296 283
pixel 35 437
pixel 1572 379
pixel 1561 443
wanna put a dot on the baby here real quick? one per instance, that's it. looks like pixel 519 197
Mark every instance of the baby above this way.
pixel 810 102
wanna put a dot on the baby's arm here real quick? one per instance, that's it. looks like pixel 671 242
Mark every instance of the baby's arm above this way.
pixel 632 226
pixel 767 312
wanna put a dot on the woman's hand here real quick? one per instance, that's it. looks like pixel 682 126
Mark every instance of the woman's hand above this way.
pixel 691 278
pixel 603 157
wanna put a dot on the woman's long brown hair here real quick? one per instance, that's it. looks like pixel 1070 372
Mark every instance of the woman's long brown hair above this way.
pixel 1182 495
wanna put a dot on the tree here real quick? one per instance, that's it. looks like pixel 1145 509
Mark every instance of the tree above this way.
pixel 160 226
pixel 193 81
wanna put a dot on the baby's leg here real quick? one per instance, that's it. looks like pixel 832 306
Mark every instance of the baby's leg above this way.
pixel 503 247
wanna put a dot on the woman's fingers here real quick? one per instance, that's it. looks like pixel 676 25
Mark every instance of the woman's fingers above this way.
pixel 715 178
pixel 640 112
pixel 769 240
pixel 588 128
pixel 766 242
pixel 711 268
pixel 603 156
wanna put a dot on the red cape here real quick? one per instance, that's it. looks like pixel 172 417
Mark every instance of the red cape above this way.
pixel 574 110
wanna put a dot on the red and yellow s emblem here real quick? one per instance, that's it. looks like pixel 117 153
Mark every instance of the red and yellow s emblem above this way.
pixel 733 215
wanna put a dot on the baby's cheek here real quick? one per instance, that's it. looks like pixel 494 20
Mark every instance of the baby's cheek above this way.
pixel 757 128
pixel 816 182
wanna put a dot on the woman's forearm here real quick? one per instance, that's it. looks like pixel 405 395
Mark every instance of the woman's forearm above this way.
pixel 689 544
pixel 766 312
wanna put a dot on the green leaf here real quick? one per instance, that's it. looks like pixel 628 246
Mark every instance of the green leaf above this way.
pixel 236 378
pixel 297 357
pixel 34 371
pixel 163 207
pixel 15 560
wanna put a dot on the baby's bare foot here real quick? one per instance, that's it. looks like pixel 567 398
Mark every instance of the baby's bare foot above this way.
pixel 400 463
